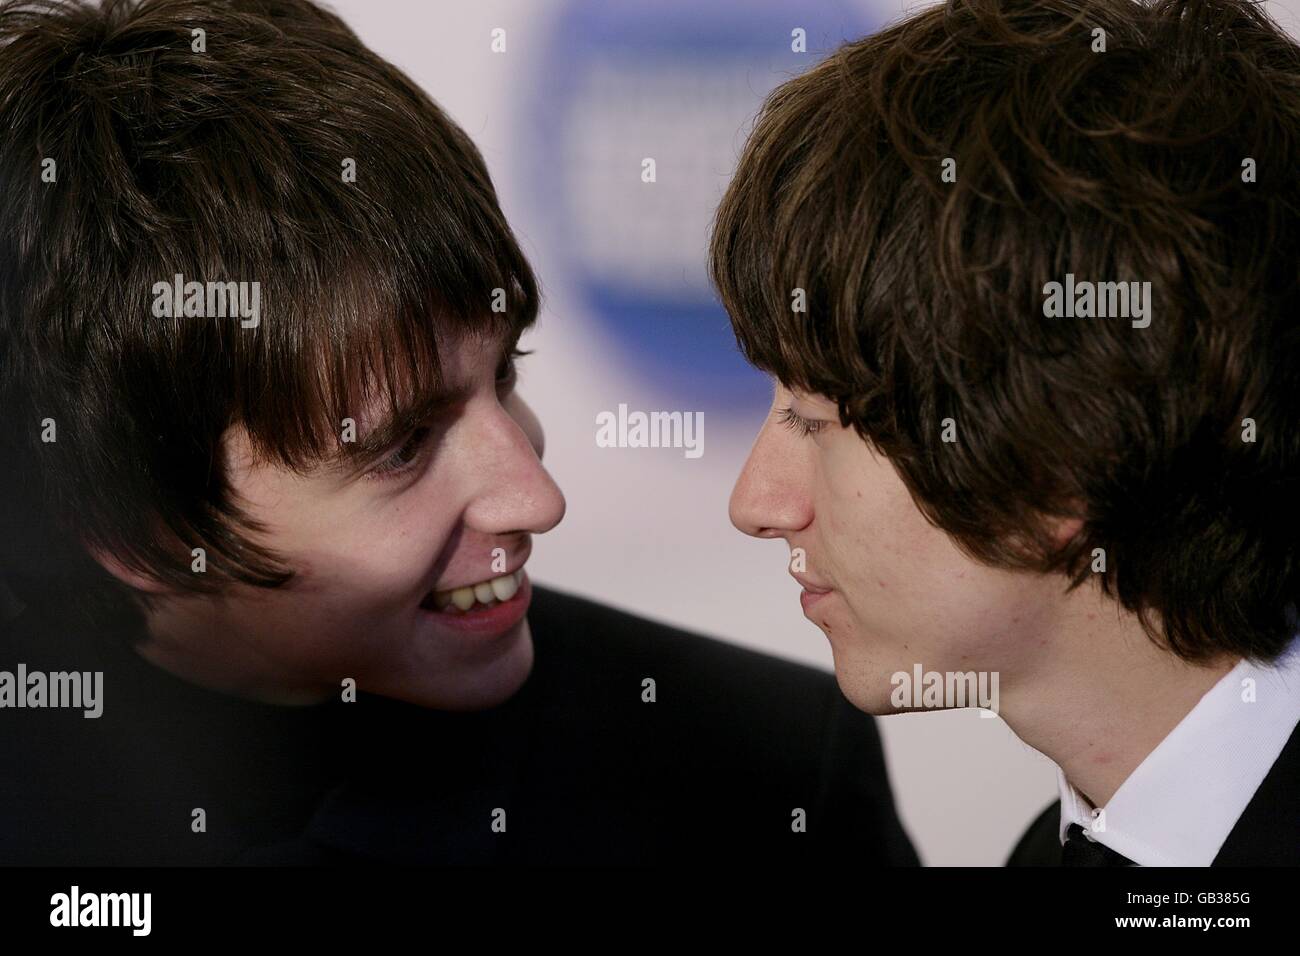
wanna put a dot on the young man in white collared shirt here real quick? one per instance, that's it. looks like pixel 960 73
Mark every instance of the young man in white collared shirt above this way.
pixel 1092 500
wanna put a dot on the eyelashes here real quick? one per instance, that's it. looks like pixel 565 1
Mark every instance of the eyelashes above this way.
pixel 508 372
pixel 797 423
pixel 405 458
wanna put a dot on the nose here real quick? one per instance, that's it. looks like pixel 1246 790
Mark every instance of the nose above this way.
pixel 515 494
pixel 771 497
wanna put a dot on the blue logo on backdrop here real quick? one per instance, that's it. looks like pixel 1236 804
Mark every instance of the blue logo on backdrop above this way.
pixel 677 82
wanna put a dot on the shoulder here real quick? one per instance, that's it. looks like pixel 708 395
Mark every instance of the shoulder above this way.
pixel 1268 831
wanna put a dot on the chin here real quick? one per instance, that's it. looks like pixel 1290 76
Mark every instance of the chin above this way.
pixel 864 682
pixel 868 700
pixel 481 685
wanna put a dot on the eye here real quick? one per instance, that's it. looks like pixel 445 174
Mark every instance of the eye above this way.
pixel 405 458
pixel 798 423
pixel 508 370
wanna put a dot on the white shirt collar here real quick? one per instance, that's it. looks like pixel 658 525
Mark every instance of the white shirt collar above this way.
pixel 1179 805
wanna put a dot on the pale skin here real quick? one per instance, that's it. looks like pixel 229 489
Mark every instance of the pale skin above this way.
pixel 367 548
pixel 1080 681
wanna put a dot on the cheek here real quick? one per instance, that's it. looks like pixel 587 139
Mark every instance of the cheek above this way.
pixel 902 577
pixel 400 551
pixel 872 535
pixel 914 588
pixel 356 548
pixel 366 559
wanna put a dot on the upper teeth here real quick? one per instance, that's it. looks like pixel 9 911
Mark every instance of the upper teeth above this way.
pixel 487 592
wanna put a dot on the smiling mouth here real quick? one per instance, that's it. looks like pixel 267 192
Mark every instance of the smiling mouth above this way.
pixel 474 597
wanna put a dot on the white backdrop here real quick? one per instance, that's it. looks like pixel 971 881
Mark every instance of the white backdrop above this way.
pixel 646 529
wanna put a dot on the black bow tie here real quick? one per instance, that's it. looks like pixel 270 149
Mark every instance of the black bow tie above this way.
pixel 1080 851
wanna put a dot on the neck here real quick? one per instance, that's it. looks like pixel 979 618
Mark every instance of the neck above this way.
pixel 1103 696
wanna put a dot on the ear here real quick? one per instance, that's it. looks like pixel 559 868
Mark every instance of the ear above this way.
pixel 1067 528
pixel 1063 530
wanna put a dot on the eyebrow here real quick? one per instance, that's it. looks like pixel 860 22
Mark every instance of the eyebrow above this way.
pixel 354 457
pixel 377 439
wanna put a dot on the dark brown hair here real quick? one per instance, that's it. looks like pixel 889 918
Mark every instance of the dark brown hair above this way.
pixel 222 165
pixel 925 297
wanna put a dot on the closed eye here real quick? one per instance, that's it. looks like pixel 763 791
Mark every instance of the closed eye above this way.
pixel 508 370
pixel 797 423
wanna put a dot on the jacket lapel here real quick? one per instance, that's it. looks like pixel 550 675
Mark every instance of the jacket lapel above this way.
pixel 1268 832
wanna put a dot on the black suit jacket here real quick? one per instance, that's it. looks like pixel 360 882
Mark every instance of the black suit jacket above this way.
pixel 1266 834
pixel 577 768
